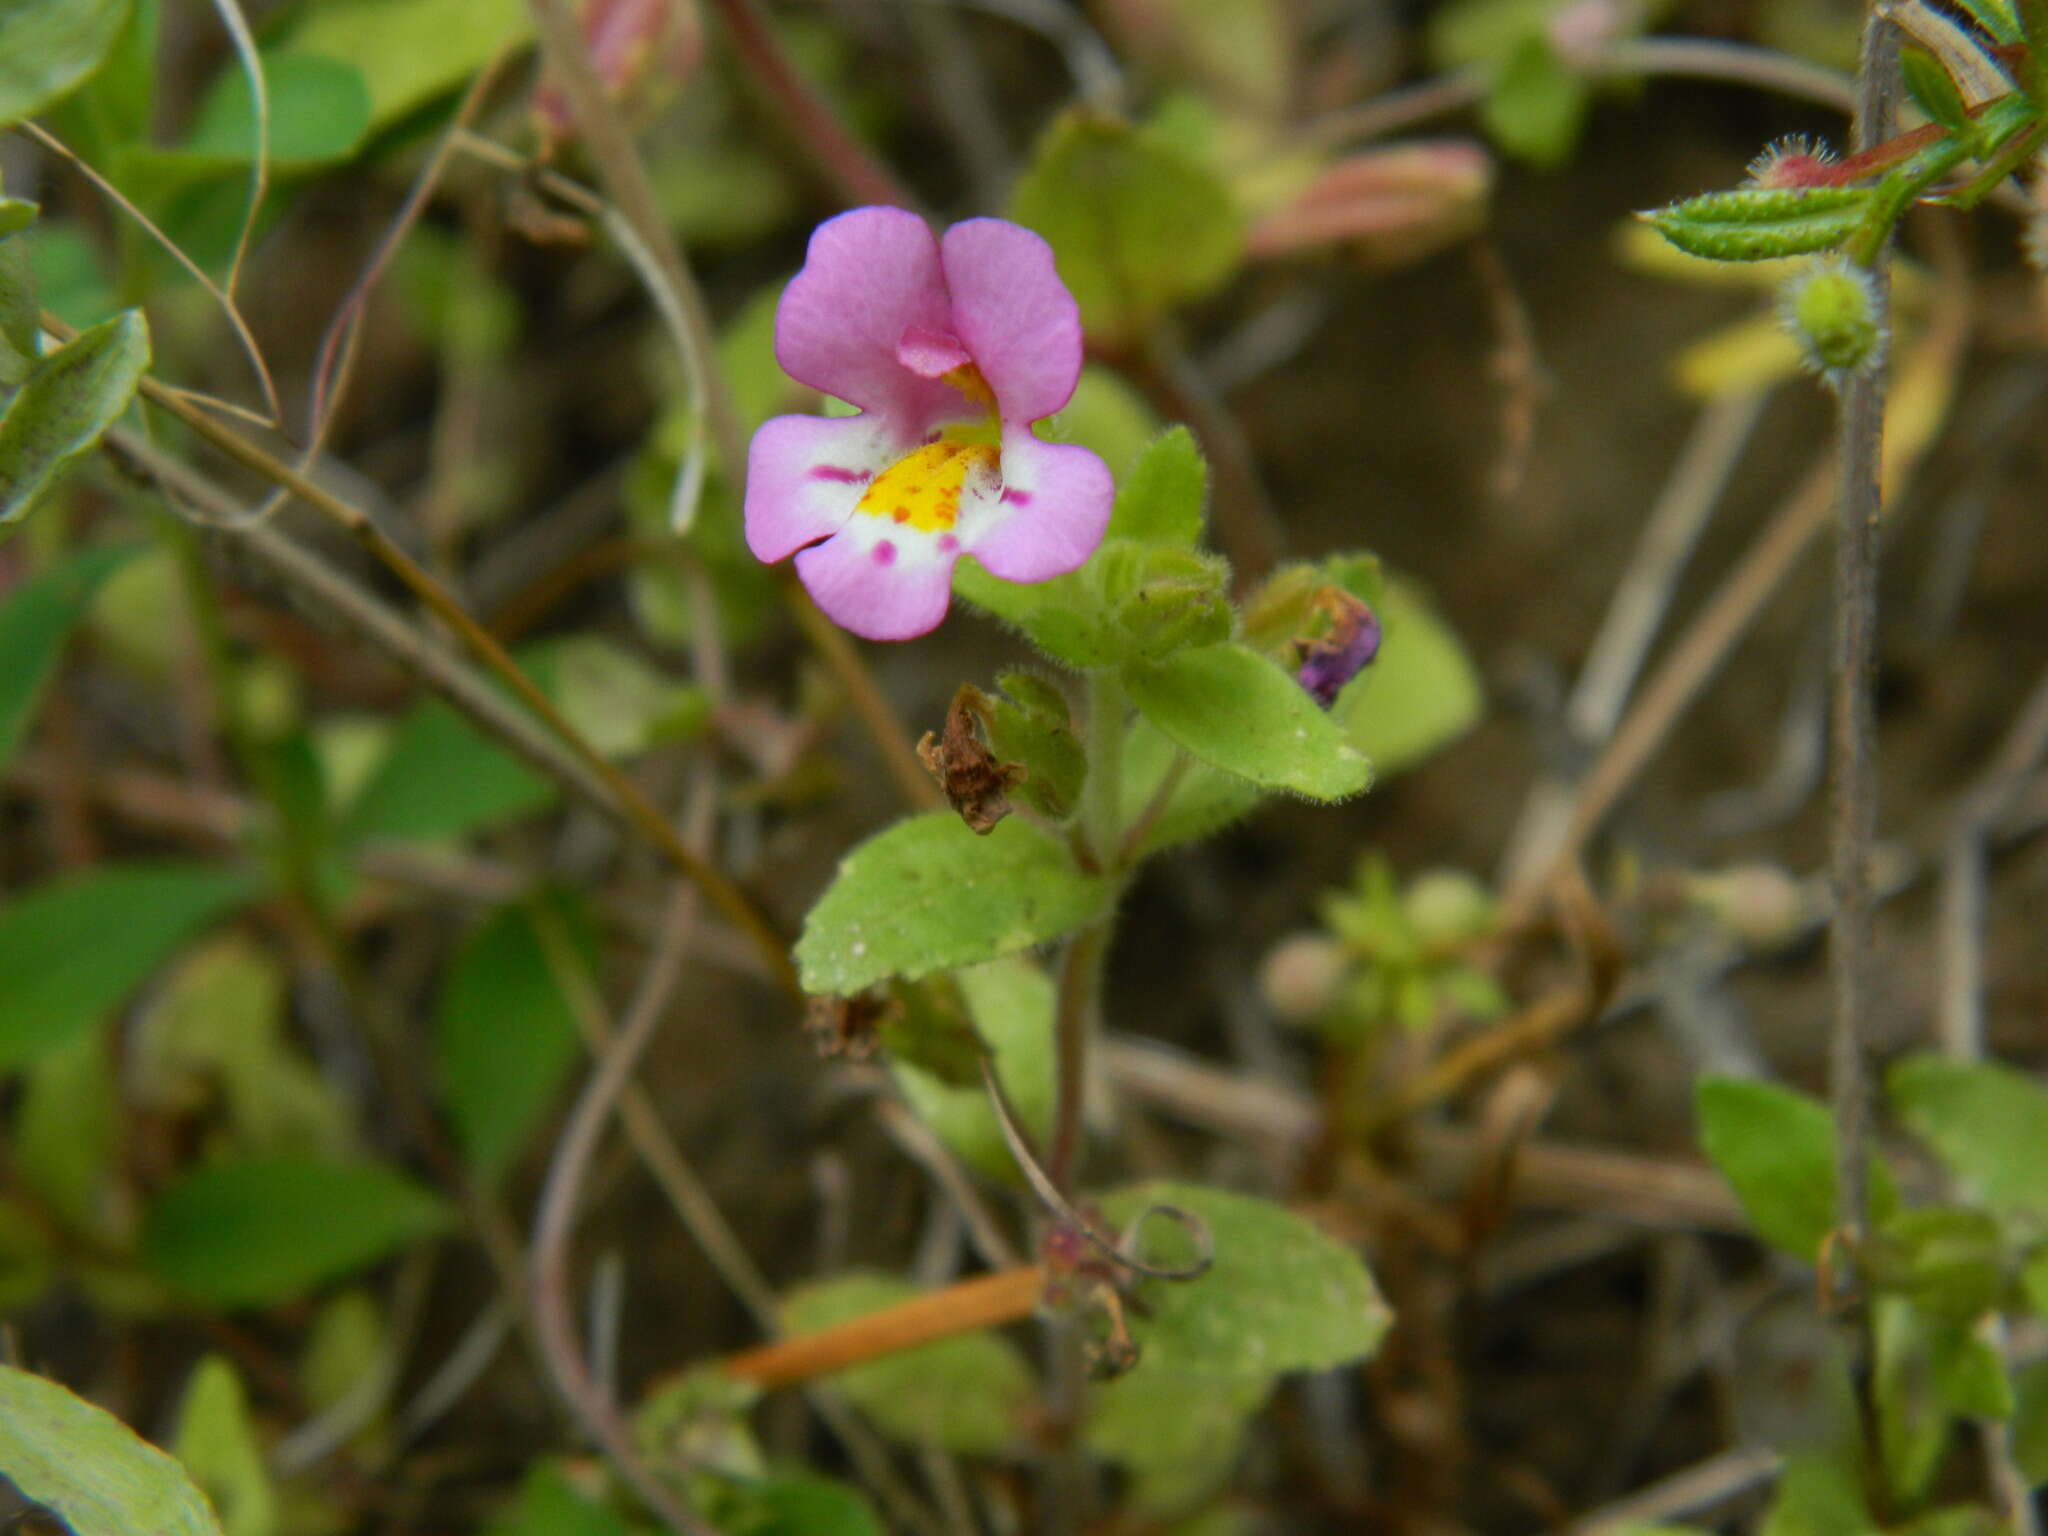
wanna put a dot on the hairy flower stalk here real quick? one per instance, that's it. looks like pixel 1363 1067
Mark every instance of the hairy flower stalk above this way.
pixel 951 349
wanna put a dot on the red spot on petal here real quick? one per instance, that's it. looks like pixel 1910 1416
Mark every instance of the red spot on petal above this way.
pixel 838 476
pixel 948 544
pixel 885 553
pixel 1016 498
pixel 901 514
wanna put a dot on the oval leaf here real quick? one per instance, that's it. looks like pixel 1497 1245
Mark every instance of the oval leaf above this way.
pixel 1776 1150
pixel 1759 223
pixel 1986 1122
pixel 71 398
pixel 929 895
pixel 1237 711
pixel 34 622
pixel 74 950
pixel 966 1394
pixel 47 47
pixel 247 1234
pixel 89 1469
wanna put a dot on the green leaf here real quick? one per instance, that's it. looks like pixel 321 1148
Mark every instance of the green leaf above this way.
pixel 1161 499
pixel 50 47
pixel 1204 801
pixel 319 112
pixel 504 1034
pixel 1947 1261
pixel 113 109
pixel 1762 223
pixel 35 620
pixel 89 1469
pixel 2030 1424
pixel 409 51
pixel 67 1133
pixel 1011 1002
pixel 1913 1424
pixel 1420 693
pixel 440 779
pixel 1135 225
pixel 217 1443
pixel 1536 105
pixel 1969 1374
pixel 1029 723
pixel 72 951
pixel 1818 1496
pixel 67 404
pixel 1176 1435
pixel 1932 90
pixel 928 895
pixel 1237 711
pixel 1132 600
pixel 21 332
pixel 1280 1295
pixel 1776 1150
pixel 550 1504
pixel 252 1233
pixel 1987 1123
pixel 966 1394
pixel 795 1503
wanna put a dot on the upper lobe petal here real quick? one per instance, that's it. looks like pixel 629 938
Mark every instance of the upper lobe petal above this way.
pixel 869 276
pixel 1014 314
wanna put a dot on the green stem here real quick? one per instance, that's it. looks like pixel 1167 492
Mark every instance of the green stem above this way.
pixel 1102 795
pixel 1074 1025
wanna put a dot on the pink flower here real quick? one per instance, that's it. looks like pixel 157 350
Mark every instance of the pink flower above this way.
pixel 951 349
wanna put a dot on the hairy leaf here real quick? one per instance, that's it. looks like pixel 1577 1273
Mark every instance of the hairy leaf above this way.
pixel 70 399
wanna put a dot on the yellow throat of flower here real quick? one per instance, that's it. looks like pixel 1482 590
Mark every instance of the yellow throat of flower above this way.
pixel 922 490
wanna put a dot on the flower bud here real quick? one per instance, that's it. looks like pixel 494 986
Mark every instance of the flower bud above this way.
pixel 1835 311
pixel 1303 976
pixel 1448 906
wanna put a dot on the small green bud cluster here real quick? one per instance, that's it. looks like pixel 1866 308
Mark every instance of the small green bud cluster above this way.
pixel 1835 311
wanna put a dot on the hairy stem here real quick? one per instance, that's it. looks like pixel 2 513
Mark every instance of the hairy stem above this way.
pixel 1859 438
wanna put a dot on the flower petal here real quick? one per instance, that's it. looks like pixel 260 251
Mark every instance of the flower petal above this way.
pixel 1014 314
pixel 806 473
pixel 870 275
pixel 1051 515
pixel 881 580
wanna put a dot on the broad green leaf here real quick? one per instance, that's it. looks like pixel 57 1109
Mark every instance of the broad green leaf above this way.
pixel 549 1503
pixel 1161 499
pixel 1947 1261
pixel 35 619
pixel 1177 1435
pixel 1131 601
pixel 1913 1423
pixel 928 895
pixel 1203 801
pixel 67 1133
pixel 1762 223
pixel 1011 1002
pixel 440 779
pixel 21 333
pixel 409 51
pixel 49 47
pixel 213 1033
pixel 1237 711
pixel 504 1034
pixel 319 111
pixel 113 109
pixel 1135 225
pixel 89 1469
pixel 1988 1123
pixel 2030 1423
pixel 1280 1295
pixel 795 1503
pixel 72 278
pixel 1420 693
pixel 252 1233
pixel 966 1394
pixel 217 1444
pixel 72 951
pixel 1776 1150
pixel 345 1345
pixel 1969 1374
pixel 1536 104
pixel 1818 1496
pixel 68 402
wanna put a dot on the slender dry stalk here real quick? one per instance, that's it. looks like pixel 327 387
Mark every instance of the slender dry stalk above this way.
pixel 1853 824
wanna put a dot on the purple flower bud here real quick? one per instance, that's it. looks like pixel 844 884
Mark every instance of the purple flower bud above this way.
pixel 1340 653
